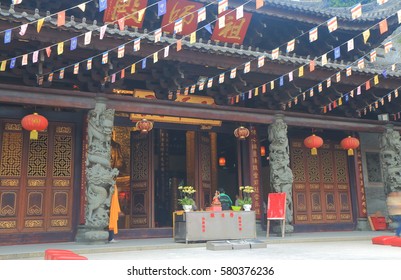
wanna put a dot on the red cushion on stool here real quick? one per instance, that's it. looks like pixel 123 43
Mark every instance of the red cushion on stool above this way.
pixel 50 252
pixel 69 257
pixel 383 240
pixel 396 242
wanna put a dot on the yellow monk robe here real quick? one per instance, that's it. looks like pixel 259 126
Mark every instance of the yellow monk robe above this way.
pixel 114 211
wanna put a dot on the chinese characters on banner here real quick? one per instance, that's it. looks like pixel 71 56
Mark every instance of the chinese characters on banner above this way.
pixel 234 30
pixel 117 9
pixel 177 9
pixel 255 166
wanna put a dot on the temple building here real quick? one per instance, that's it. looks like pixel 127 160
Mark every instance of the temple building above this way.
pixel 294 97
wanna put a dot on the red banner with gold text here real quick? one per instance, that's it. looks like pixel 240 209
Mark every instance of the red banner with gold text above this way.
pixel 177 9
pixel 234 30
pixel 117 9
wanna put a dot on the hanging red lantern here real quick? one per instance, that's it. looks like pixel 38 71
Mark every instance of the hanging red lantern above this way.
pixel 241 133
pixel 34 123
pixel 350 143
pixel 144 125
pixel 262 151
pixel 222 161
pixel 313 142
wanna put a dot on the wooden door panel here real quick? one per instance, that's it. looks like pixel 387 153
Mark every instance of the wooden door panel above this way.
pixel 141 176
pixel 321 190
pixel 36 179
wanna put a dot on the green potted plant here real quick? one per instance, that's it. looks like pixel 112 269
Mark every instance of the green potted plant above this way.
pixel 186 197
pixel 246 201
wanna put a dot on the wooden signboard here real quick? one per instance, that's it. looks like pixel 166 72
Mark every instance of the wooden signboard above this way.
pixel 276 204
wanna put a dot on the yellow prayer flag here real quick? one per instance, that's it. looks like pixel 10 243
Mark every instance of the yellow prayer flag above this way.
pixel 376 79
pixel 60 48
pixel 366 35
pixel 301 71
pixel 155 57
pixel 272 85
pixel 3 65
pixel 133 68
pixel 40 23
pixel 256 91
pixel 340 101
pixel 192 38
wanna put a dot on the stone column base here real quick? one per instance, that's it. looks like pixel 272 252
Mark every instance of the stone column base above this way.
pixel 362 224
pixel 91 235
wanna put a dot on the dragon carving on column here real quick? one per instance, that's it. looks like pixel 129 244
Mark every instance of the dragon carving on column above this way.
pixel 281 177
pixel 100 175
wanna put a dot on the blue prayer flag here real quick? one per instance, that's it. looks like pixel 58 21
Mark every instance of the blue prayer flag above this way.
pixel 102 5
pixel 337 52
pixel 161 8
pixel 7 36
pixel 12 63
pixel 144 63
pixel 73 45
pixel 384 73
pixel 281 81
pixel 346 97
pixel 208 28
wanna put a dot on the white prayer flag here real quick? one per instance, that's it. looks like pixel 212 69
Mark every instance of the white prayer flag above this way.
pixel 239 12
pixel 102 31
pixel 201 14
pixel 350 45
pixel 88 37
pixel 23 29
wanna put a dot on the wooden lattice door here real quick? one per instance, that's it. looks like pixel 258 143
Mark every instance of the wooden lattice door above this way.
pixel 321 191
pixel 36 179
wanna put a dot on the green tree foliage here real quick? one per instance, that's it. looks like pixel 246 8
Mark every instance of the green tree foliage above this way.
pixel 347 3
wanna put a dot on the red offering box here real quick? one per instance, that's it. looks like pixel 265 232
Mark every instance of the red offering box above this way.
pixel 379 223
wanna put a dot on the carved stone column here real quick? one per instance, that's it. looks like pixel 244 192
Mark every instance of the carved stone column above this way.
pixel 100 176
pixel 390 159
pixel 281 177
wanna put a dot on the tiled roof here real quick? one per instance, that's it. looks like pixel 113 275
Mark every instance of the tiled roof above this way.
pixel 200 45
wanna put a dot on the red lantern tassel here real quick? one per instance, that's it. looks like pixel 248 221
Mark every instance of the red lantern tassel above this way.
pixel 33 135
pixel 350 152
pixel 313 151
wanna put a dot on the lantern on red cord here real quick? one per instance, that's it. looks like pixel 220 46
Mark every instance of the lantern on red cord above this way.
pixel 350 143
pixel 144 126
pixel 34 123
pixel 313 142
pixel 262 151
pixel 222 161
pixel 241 133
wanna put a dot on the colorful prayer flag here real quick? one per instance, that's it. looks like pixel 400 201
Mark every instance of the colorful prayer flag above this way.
pixel 61 74
pixel 259 3
pixel 275 54
pixel 60 18
pixel 121 51
pixel 381 2
pixel 35 56
pixel 291 45
pixel 356 11
pixel 40 24
pixel 201 14
pixel 73 43
pixel 222 21
pixel 23 29
pixel 178 26
pixel 161 8
pixel 383 27
pixel 312 66
pixel 137 44
pixel 373 55
pixel 247 67
pixel 105 58
pixel 209 82
pixel 388 46
pixel 221 78
pixel 301 71
pixel 337 53
pixel 261 61
pixel 313 34
pixel 338 77
pixel 7 36
pixel 366 35
pixel 121 23
pixel 158 35
pixel 367 85
pixel 350 44
pixel 155 57
pixel 222 6
pixel 233 73
pixel 328 82
pixel 60 48
pixel 324 59
pixel 239 12
pixel 88 38
pixel 133 68
pixel 332 24
pixel 76 68
pixel 179 45
pixel 348 71
pixel 102 31
pixel 361 63
pixel 89 64
pixel 192 38
pixel 144 63
pixel 166 51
